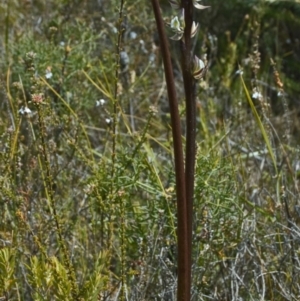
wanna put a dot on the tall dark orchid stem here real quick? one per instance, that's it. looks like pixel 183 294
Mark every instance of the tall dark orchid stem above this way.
pixel 190 100
pixel 184 176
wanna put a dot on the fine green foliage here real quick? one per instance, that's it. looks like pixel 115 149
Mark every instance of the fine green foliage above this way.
pixel 87 182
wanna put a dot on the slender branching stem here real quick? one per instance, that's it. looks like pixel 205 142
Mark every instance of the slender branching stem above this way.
pixel 114 143
pixel 50 194
pixel 115 104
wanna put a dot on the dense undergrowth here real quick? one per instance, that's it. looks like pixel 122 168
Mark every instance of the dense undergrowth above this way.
pixel 87 197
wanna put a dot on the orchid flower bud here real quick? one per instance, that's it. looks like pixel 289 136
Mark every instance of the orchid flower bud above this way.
pixel 176 4
pixel 177 25
pixel 199 6
pixel 199 68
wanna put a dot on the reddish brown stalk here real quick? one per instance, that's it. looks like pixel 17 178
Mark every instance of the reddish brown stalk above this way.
pixel 189 87
pixel 184 270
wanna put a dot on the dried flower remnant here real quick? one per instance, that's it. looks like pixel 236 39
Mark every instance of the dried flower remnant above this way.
pixel 68 49
pixel 153 110
pixel 29 61
pixel 277 79
pixel 17 85
pixel 53 29
pixel 30 55
pixel 37 98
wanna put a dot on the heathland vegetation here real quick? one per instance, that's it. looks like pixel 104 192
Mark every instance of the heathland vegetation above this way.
pixel 88 203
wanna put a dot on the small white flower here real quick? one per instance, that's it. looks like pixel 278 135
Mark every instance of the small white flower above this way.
pixel 152 58
pixel 48 74
pixel 69 95
pixel 256 95
pixel 175 24
pixel 142 43
pixel 133 35
pixel 100 102
pixel 280 93
pixel 124 59
pixel 24 110
pixel 107 120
